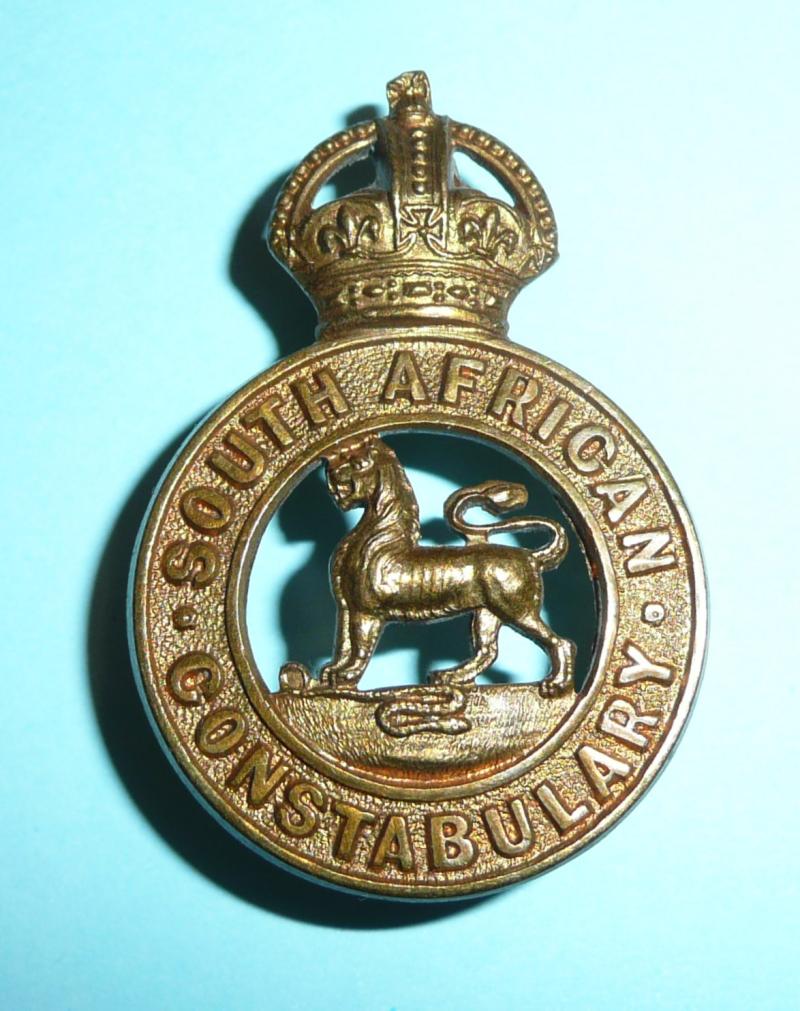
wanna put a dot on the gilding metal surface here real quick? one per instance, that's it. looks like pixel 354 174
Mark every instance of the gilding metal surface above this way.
pixel 450 787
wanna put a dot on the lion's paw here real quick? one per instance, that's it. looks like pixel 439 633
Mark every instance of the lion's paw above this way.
pixel 551 688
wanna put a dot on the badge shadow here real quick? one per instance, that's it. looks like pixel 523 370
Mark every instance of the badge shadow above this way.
pixel 132 746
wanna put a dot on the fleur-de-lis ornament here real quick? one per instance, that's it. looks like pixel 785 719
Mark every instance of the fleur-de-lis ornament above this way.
pixel 351 230
pixel 483 234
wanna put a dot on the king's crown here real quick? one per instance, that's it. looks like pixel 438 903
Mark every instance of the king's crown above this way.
pixel 418 247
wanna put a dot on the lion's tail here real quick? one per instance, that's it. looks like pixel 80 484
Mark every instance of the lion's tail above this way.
pixel 498 497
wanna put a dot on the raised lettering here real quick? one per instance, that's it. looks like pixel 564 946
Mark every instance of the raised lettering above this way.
pixel 298 813
pixel 353 820
pixel 562 817
pixel 394 845
pixel 195 563
pixel 206 509
pixel 621 496
pixel 320 397
pixel 553 420
pixel 591 448
pixel 642 669
pixel 220 732
pixel 261 777
pixel 620 719
pixel 239 460
pixel 194 678
pixel 405 380
pixel 651 545
pixel 520 839
pixel 460 376
pixel 514 395
pixel 267 419
pixel 602 770
pixel 448 838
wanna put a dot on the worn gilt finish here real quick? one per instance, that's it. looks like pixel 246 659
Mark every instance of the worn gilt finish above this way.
pixel 450 787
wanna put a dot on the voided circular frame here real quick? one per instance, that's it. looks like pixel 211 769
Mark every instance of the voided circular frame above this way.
pixel 154 643
pixel 247 545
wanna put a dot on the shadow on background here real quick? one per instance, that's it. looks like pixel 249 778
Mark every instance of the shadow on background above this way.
pixel 255 273
pixel 129 739
pixel 158 792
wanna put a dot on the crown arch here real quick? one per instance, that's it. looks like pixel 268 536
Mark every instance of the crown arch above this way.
pixel 424 249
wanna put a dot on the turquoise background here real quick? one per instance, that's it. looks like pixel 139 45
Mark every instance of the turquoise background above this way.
pixel 142 146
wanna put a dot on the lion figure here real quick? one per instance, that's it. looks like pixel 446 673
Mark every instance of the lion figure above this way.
pixel 381 573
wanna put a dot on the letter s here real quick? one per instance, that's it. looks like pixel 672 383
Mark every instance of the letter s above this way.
pixel 196 563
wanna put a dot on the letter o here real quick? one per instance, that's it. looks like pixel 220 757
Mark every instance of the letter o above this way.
pixel 220 732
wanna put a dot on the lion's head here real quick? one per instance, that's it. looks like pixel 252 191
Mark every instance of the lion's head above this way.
pixel 352 472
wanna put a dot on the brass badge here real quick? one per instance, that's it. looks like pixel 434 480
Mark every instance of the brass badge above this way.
pixel 449 787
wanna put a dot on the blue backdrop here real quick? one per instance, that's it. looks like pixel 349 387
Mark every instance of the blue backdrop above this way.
pixel 143 143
